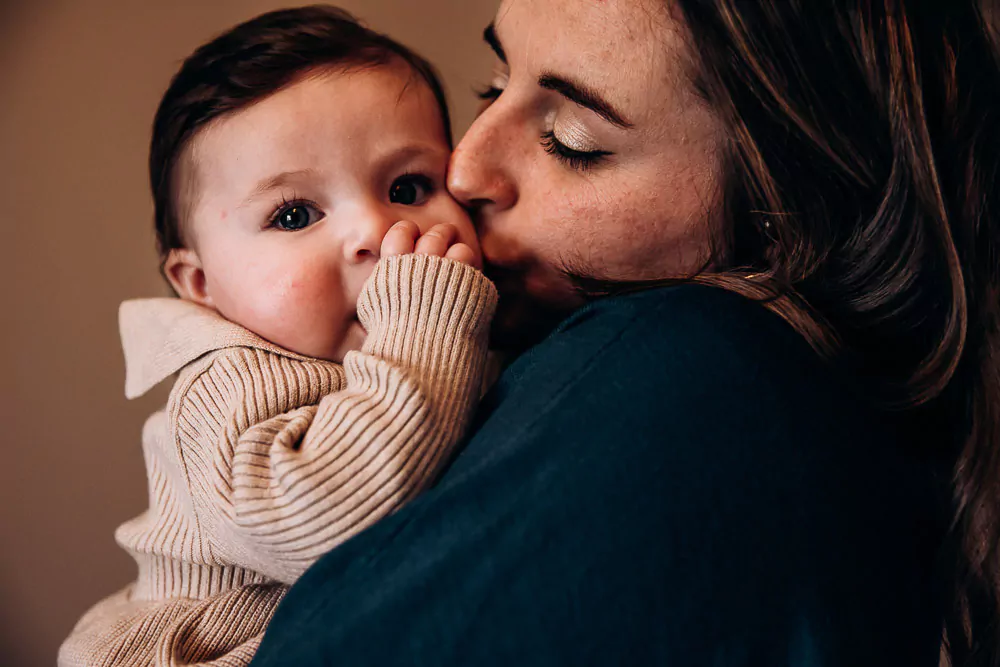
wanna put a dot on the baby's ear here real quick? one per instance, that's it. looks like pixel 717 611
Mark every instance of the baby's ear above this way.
pixel 183 269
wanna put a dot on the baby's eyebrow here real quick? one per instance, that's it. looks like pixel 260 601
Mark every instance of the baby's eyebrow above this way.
pixel 277 181
pixel 399 157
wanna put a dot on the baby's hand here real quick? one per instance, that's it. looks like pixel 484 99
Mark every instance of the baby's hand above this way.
pixel 441 240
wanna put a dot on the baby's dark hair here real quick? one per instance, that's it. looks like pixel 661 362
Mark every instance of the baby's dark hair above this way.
pixel 252 61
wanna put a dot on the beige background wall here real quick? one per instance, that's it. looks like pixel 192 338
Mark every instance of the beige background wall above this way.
pixel 79 82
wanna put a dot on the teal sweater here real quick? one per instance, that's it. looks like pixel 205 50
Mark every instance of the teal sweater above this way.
pixel 672 478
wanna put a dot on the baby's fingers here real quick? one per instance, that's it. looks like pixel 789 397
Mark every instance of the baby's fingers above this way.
pixel 400 239
pixel 436 241
pixel 460 252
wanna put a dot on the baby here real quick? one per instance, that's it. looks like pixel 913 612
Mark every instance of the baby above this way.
pixel 319 387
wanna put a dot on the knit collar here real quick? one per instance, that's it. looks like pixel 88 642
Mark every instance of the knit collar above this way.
pixel 161 336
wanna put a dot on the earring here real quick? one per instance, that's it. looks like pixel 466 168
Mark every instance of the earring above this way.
pixel 767 230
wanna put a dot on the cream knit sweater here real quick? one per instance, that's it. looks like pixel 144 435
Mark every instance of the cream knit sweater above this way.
pixel 263 460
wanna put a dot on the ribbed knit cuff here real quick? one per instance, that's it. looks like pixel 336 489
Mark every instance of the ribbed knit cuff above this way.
pixel 417 307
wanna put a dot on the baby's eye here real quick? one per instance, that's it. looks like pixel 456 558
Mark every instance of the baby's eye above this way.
pixel 410 190
pixel 295 216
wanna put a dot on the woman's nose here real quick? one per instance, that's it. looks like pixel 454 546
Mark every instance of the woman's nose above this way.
pixel 480 170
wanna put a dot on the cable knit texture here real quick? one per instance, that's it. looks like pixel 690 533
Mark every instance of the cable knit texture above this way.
pixel 263 460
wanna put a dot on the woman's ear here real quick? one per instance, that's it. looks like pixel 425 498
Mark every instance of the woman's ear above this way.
pixel 185 274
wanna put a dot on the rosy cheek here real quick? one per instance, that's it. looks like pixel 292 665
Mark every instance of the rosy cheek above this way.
pixel 283 285
pixel 301 309
pixel 296 291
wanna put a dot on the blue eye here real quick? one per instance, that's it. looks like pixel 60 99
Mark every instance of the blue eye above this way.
pixel 410 190
pixel 293 216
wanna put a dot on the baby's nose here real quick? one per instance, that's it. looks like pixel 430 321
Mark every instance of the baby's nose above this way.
pixel 365 238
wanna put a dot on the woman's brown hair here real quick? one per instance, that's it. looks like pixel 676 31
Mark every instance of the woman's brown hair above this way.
pixel 862 203
pixel 249 62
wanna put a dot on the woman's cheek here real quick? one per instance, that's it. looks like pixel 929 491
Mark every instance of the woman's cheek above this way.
pixel 605 226
pixel 574 225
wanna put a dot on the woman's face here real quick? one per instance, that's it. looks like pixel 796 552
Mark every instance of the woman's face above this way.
pixel 596 159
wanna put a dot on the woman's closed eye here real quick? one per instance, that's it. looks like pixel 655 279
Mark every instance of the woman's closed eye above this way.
pixel 495 88
pixel 294 215
pixel 411 190
pixel 579 160
pixel 489 93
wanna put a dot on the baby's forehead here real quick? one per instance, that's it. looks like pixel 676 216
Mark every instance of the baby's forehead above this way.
pixel 341 121
pixel 327 110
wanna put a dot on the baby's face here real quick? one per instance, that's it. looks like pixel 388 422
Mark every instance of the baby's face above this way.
pixel 286 202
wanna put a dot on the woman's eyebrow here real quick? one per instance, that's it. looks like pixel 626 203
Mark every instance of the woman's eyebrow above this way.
pixel 490 36
pixel 585 97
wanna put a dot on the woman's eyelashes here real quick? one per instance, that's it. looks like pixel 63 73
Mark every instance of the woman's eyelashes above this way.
pixel 489 93
pixel 294 215
pixel 411 189
pixel 575 159
pixel 495 87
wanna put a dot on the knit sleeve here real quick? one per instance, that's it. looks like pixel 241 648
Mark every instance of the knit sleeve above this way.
pixel 296 485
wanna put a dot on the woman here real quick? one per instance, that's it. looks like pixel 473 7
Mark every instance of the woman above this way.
pixel 787 458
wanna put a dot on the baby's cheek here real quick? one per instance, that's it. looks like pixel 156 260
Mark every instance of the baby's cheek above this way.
pixel 309 287
pixel 300 307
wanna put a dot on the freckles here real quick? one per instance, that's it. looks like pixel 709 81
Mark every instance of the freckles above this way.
pixel 599 212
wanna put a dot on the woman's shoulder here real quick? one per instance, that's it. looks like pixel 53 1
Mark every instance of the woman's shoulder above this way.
pixel 711 373
pixel 702 334
pixel 697 316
